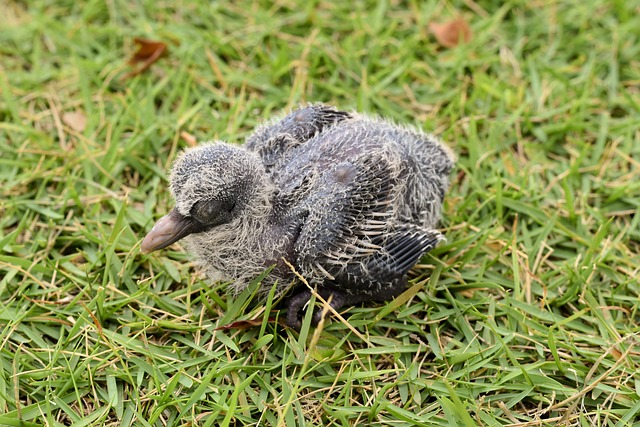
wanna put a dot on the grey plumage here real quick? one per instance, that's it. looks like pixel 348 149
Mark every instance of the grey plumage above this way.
pixel 350 200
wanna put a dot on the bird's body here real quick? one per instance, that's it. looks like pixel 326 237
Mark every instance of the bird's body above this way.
pixel 350 201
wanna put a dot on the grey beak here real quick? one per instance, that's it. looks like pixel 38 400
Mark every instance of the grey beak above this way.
pixel 168 230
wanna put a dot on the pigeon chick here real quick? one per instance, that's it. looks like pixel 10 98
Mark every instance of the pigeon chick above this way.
pixel 350 201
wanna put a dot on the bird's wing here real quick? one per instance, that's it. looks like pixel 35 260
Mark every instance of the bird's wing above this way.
pixel 401 250
pixel 349 228
pixel 274 142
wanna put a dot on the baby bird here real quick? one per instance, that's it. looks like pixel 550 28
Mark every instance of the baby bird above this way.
pixel 350 201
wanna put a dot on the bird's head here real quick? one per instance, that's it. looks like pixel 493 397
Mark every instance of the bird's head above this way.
pixel 212 185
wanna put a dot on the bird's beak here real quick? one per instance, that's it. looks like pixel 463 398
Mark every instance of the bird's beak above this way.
pixel 168 230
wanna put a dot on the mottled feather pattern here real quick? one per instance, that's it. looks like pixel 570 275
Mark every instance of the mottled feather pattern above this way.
pixel 351 200
pixel 276 140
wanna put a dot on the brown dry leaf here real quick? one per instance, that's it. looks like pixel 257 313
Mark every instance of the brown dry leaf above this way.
pixel 76 120
pixel 149 51
pixel 243 324
pixel 452 33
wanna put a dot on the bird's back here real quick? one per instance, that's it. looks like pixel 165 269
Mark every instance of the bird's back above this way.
pixel 419 161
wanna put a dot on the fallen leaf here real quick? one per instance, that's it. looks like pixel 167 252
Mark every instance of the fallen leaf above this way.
pixel 76 120
pixel 149 51
pixel 452 33
pixel 243 324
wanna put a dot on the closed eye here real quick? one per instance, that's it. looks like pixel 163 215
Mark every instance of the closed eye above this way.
pixel 212 212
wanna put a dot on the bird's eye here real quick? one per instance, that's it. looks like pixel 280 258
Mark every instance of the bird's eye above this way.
pixel 204 211
pixel 212 212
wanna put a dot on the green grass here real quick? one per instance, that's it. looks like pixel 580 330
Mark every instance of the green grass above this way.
pixel 528 316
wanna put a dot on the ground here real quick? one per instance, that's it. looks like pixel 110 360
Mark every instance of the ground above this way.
pixel 527 316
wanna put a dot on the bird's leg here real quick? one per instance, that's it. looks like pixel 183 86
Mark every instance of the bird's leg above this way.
pixel 337 299
pixel 296 303
pixel 294 307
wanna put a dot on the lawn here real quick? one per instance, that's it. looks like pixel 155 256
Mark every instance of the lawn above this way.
pixel 529 314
